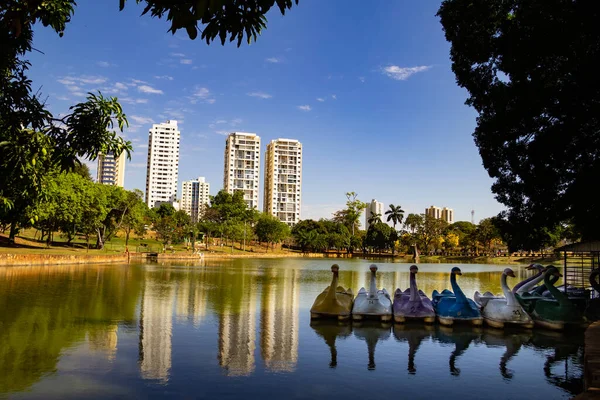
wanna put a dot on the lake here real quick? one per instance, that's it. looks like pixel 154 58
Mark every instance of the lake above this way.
pixel 241 328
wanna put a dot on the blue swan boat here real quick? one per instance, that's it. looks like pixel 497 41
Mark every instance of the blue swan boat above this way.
pixel 454 306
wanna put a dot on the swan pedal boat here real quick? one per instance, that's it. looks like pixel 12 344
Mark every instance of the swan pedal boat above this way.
pixel 499 311
pixel 454 306
pixel 413 304
pixel 374 303
pixel 334 301
pixel 592 311
pixel 557 313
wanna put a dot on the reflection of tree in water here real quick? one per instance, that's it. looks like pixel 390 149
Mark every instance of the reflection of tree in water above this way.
pixel 44 310
pixel 564 348
pixel 330 330
pixel 414 335
pixel 372 332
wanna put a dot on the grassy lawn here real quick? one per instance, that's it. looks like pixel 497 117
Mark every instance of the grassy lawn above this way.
pixel 28 243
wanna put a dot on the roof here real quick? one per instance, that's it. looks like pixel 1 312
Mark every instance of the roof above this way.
pixel 581 247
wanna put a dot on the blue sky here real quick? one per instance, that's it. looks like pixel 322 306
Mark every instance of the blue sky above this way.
pixel 368 90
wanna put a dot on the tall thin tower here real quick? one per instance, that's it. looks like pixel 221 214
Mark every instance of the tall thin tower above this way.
pixel 473 217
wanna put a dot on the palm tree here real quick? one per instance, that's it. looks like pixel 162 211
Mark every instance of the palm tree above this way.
pixel 374 218
pixel 395 214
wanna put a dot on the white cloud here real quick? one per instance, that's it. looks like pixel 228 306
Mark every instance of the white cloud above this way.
pixel 178 54
pixel 221 121
pixel 149 89
pixel 142 146
pixel 403 73
pixel 66 81
pixel 334 96
pixel 167 77
pixel 63 98
pixel 201 93
pixel 260 95
pixel 73 88
pixel 141 120
pixel 304 108
pixel 274 60
pixel 185 61
pixel 78 94
pixel 91 80
pixel 362 79
pixel 235 121
pixel 105 64
pixel 320 99
pixel 121 86
pixel 225 133
pixel 129 100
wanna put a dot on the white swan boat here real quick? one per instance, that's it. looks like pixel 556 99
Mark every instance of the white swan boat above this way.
pixel 498 311
pixel 374 303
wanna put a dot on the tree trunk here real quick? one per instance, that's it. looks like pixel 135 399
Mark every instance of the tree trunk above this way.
pixel 99 239
pixel 127 231
pixel 13 232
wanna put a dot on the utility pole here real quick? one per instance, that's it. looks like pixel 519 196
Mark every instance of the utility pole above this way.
pixel 473 217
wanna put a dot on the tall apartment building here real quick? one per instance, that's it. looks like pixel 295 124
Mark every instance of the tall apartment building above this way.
pixel 163 164
pixel 434 212
pixel 242 165
pixel 447 214
pixel 194 198
pixel 374 207
pixel 111 170
pixel 283 180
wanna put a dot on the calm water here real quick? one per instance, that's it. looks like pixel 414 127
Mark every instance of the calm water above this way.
pixel 241 328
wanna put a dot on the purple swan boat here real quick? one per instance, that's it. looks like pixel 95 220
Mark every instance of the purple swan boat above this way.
pixel 413 304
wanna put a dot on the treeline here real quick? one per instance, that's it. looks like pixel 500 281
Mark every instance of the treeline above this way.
pixel 424 232
pixel 74 206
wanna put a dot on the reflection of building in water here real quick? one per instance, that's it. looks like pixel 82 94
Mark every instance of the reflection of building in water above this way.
pixel 192 298
pixel 279 320
pixel 237 327
pixel 104 340
pixel 156 325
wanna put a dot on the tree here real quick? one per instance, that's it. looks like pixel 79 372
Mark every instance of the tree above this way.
pixel 350 216
pixel 134 217
pixel 412 222
pixel 395 214
pixel 530 69
pixel 374 218
pixel 431 230
pixel 380 236
pixel 487 232
pixel 221 19
pixel 271 230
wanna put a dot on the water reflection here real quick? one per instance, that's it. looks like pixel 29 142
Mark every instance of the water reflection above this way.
pixel 372 332
pixel 219 321
pixel 413 335
pixel 330 331
pixel 156 326
pixel 279 319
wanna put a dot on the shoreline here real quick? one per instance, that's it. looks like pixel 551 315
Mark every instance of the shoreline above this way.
pixel 25 259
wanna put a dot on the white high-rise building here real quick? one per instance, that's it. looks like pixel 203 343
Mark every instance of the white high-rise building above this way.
pixel 111 171
pixel 242 165
pixel 283 180
pixel 448 215
pixel 194 198
pixel 374 207
pixel 163 164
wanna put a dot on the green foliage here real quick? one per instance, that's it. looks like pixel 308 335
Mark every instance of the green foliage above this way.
pixel 380 236
pixel 165 210
pixel 221 18
pixel 270 229
pixel 395 214
pixel 530 68
pixel 350 216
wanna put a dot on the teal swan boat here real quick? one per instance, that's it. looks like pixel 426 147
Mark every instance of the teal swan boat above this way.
pixel 555 313
pixel 454 306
